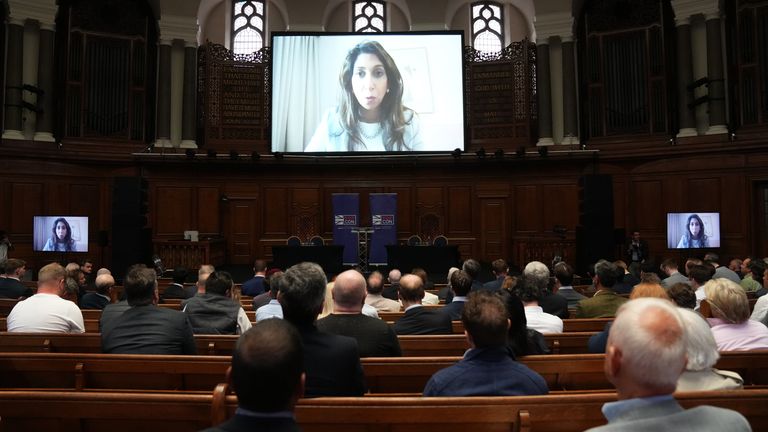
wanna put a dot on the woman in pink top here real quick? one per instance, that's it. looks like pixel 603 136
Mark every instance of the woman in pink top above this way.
pixel 727 310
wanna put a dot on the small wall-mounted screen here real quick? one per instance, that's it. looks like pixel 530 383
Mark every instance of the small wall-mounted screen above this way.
pixel 693 230
pixel 60 234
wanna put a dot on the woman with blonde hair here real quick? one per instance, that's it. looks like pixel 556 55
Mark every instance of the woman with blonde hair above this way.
pixel 727 310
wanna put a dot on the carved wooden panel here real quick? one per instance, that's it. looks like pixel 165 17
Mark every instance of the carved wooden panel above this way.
pixel 560 206
pixel 493 233
pixel 527 209
pixel 27 199
pixel 178 216
pixel 275 211
pixel 86 202
pixel 305 213
pixel 242 222
pixel 208 209
pixel 704 194
pixel 646 213
pixel 459 212
pixel 405 210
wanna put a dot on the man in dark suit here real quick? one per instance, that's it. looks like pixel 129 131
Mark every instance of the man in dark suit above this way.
pixel 461 284
pixel 268 378
pixel 472 267
pixel 637 250
pixel 146 328
pixel 177 290
pixel 500 270
pixel 332 362
pixel 255 285
pixel 391 292
pixel 564 284
pixel 100 298
pixel 418 319
pixel 10 285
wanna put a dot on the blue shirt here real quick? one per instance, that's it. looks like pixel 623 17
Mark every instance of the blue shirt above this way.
pixel 273 309
pixel 486 372
pixel 253 287
pixel 614 410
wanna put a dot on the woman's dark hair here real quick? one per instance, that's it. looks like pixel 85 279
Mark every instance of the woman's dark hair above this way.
pixel 393 117
pixel 701 235
pixel 68 241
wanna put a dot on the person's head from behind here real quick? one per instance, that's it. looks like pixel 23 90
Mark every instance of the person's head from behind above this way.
pixel 645 353
pixel 757 270
pixel 472 267
pixel 219 283
pixel 78 276
pixel 652 290
pixel 485 320
pixel 700 345
pixel 536 275
pixel 349 292
pixel 180 275
pixel 422 274
pixel 683 295
pixel 394 276
pixel 140 286
pixel 372 86
pixel 699 274
pixel 14 267
pixel 260 266
pixel 268 367
pixel 104 283
pixel 499 267
pixel 725 300
pixel 62 232
pixel 302 293
pixel 563 273
pixel 461 283
pixel 606 274
pixel 411 289
pixel 375 283
pixel 695 227
pixel 71 290
pixel 669 266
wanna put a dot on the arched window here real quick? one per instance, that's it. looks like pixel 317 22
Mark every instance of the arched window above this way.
pixel 487 26
pixel 247 26
pixel 368 16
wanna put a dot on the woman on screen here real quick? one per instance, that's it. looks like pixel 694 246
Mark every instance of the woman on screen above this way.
pixel 61 240
pixel 694 236
pixel 370 115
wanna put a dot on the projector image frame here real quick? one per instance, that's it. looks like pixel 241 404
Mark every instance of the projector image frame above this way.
pixel 679 235
pixel 43 239
pixel 328 95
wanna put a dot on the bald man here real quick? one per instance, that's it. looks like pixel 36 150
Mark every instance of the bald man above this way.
pixel 100 298
pixel 374 337
pixel 418 319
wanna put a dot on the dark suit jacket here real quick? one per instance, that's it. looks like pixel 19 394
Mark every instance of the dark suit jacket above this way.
pixel 93 300
pixel 246 423
pixel 453 310
pixel 175 291
pixel 332 364
pixel 13 289
pixel 421 320
pixel 390 292
pixel 555 304
pixel 148 330
pixel 253 286
pixel 494 285
pixel 476 285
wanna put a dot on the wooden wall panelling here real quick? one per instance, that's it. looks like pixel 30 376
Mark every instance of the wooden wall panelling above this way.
pixel 621 201
pixel 560 206
pixel 527 209
pixel 430 203
pixel 459 212
pixel 405 211
pixel 28 201
pixel 241 224
pixel 208 209
pixel 704 194
pixel 274 212
pixel 493 232
pixel 175 208
pixel 85 202
pixel 305 212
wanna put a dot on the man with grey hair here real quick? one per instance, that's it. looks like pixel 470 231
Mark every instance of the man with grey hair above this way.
pixel 331 361
pixel 605 302
pixel 536 277
pixel 391 292
pixel 375 338
pixel 100 298
pixel 645 355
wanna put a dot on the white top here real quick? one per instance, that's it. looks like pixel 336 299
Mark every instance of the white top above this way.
pixel 46 313
pixel 541 321
pixel 430 299
pixel 760 311
pixel 700 295
pixel 330 136
pixel 273 309
pixel 370 311
pixel 243 323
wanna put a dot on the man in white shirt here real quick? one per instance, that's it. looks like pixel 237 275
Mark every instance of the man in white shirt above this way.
pixel 530 290
pixel 698 275
pixel 46 311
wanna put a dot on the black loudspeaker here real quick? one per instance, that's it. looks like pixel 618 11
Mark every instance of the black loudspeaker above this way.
pixel 619 236
pixel 131 241
pixel 595 237
pixel 102 238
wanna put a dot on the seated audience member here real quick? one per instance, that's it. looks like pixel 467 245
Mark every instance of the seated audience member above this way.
pixel 429 298
pixel 71 267
pixel 760 311
pixel 100 298
pixel 487 369
pixel 273 309
pixel 564 284
pixel 683 295
pixel 500 269
pixel 735 266
pixel 145 328
pixel 536 274
pixel 116 309
pixel 374 298
pixel 754 275
pixel 529 292
pixel 605 302
pixel 698 275
pixel 265 297
pixel 522 341
pixel 690 262
pixel 10 285
pixel 177 290
pixel 86 266
pixel 727 310
pixel 461 284
pixel 472 267
pixel 648 272
pixel 79 287
pixel 645 356
pixel 418 319
pixel 598 342
pixel 375 338
pixel 392 291
pixel 102 271
pixel 669 267
pixel 446 293
pixel 214 311
pixel 268 377
pixel 71 290
pixel 255 286
pixel 203 272
pixel 701 350
pixel 46 311
pixel 332 362
pixel 625 280
pixel 721 271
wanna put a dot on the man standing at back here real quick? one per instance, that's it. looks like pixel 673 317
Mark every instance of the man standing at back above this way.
pixel 418 319
pixel 46 311
pixel 331 362
pixel 644 359
pixel 145 328
pixel 487 369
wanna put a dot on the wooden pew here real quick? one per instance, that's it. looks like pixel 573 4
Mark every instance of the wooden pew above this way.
pixel 91 325
pixel 6 305
pixel 95 314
